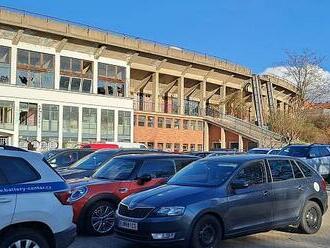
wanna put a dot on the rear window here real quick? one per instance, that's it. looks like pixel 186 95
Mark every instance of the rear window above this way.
pixel 295 151
pixel 92 161
pixel 307 171
pixel 281 170
pixel 15 170
pixel 157 168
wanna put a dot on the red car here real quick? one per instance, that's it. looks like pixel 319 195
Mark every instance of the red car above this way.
pixel 95 199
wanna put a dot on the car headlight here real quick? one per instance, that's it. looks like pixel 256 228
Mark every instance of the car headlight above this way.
pixel 170 211
pixel 77 194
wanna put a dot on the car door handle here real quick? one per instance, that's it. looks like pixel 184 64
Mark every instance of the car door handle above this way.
pixel 266 193
pixel 5 200
pixel 300 188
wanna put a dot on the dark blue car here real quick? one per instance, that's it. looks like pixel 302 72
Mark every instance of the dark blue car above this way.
pixel 224 197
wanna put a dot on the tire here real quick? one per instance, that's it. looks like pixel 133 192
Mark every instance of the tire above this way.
pixel 100 218
pixel 311 218
pixel 207 233
pixel 25 236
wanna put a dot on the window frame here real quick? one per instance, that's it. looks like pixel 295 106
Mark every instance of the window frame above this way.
pixel 270 169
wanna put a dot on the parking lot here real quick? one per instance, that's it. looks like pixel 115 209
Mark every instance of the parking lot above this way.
pixel 274 239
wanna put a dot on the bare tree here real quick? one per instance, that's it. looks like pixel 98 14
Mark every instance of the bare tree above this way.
pixel 305 70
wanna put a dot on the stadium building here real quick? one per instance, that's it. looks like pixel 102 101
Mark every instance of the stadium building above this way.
pixel 63 84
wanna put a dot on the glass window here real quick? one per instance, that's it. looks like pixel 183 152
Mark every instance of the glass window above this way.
pixel 169 146
pixel 89 123
pixel 75 84
pixel 141 120
pixel 28 117
pixel 177 147
pixel 4 64
pixel 151 121
pixel 181 163
pixel 35 69
pixel 185 124
pixel 185 147
pixel 324 151
pixel 50 120
pixel 124 126
pixel 305 169
pixel 168 123
pixel 70 126
pixel 281 170
pixel 17 170
pixel 6 115
pixel 93 160
pixel 116 169
pixel 253 173
pixel 200 147
pixel 193 125
pixel 160 146
pixel 204 173
pixel 199 126
pixel 164 168
pixel 160 122
pixel 295 151
pixel 177 123
pixel 112 79
pixel 297 172
pixel 76 75
pixel 192 147
pixel 107 125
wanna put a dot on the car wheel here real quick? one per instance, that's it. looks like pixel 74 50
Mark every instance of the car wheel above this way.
pixel 100 218
pixel 207 233
pixel 23 238
pixel 311 218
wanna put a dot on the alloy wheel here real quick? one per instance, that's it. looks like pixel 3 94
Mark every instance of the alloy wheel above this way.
pixel 103 219
pixel 312 218
pixel 24 243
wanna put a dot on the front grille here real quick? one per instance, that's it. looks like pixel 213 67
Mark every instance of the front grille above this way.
pixel 134 213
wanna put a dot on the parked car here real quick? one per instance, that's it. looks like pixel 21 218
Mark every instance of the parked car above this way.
pixel 223 197
pixel 272 151
pixel 96 198
pixel 114 145
pixel 34 208
pixel 50 153
pixel 199 154
pixel 87 166
pixel 316 155
pixel 67 157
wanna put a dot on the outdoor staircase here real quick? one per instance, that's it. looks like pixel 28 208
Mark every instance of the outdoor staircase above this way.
pixel 263 136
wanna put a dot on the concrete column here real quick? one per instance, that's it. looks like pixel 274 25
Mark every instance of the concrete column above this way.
pixel 203 97
pixel 80 125
pixel 39 122
pixel 60 127
pixel 240 143
pixel 16 123
pixel 223 138
pixel 98 124
pixel 206 136
pixel 223 97
pixel 13 65
pixel 132 128
pixel 95 76
pixel 57 71
pixel 116 126
pixel 155 91
pixel 128 81
pixel 181 95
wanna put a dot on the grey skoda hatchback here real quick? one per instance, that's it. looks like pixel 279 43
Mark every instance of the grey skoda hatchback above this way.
pixel 223 197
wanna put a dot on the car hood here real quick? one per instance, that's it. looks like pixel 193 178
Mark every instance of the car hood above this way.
pixel 87 181
pixel 170 195
pixel 68 173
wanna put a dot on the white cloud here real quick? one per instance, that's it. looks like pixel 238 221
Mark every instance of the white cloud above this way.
pixel 281 71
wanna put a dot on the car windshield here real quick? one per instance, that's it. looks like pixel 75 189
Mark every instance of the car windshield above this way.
pixel 92 161
pixel 116 169
pixel 274 152
pixel 204 173
pixel 295 151
pixel 49 154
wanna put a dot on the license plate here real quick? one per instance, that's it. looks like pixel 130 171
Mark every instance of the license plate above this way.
pixel 130 225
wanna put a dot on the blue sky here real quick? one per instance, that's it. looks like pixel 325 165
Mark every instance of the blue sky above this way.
pixel 254 33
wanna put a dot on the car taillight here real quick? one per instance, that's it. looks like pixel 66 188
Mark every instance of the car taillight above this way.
pixel 323 185
pixel 63 197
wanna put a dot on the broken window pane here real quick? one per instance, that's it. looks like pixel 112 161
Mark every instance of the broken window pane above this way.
pixel 4 64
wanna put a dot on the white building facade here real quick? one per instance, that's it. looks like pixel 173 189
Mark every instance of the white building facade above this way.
pixel 60 98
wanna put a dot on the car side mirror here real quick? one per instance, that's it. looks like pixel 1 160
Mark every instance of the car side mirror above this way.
pixel 239 184
pixel 143 179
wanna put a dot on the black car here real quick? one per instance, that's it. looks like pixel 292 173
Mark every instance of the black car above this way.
pixel 89 164
pixel 66 157
pixel 224 197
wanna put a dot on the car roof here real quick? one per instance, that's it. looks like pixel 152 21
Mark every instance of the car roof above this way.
pixel 157 156
pixel 261 149
pixel 245 158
